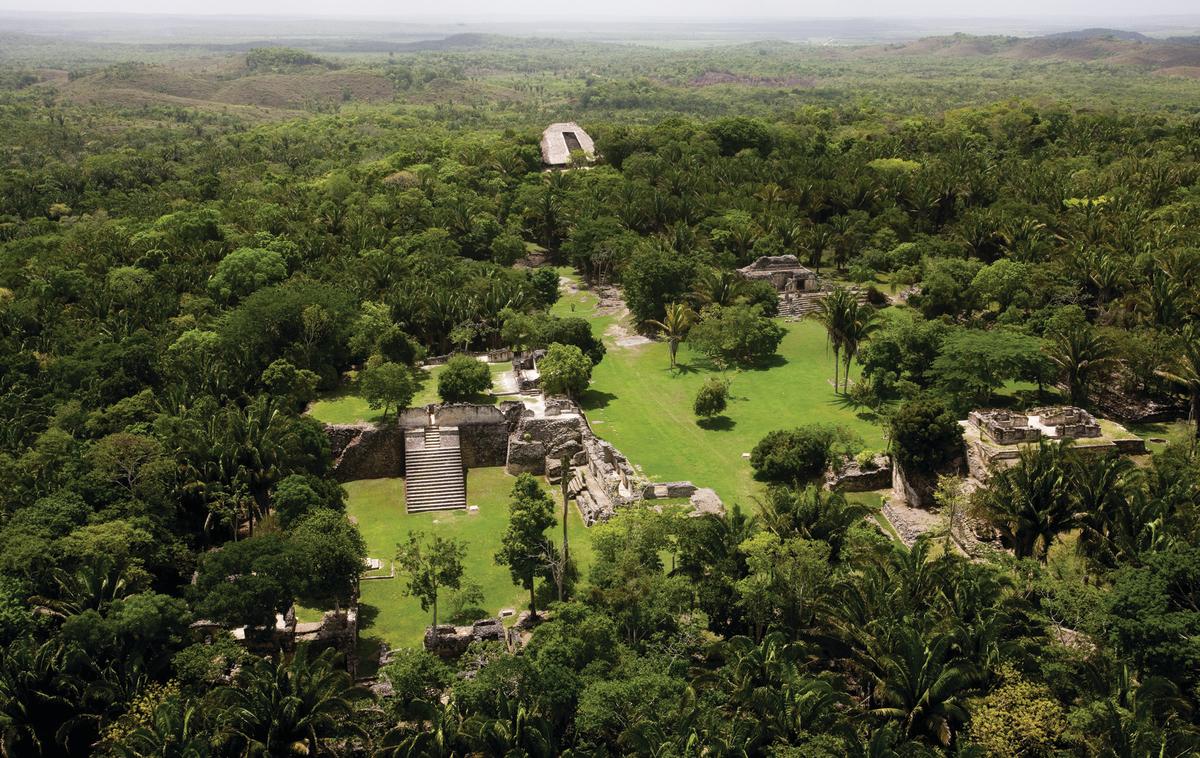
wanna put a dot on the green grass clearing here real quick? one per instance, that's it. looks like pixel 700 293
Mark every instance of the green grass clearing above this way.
pixel 378 506
pixel 644 407
pixel 344 406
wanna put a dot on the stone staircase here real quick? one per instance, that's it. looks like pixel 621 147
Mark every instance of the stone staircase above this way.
pixel 797 305
pixel 434 476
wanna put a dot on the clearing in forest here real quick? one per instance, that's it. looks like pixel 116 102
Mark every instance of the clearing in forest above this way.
pixel 641 405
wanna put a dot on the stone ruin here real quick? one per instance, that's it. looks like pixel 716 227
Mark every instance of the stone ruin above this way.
pixel 1004 427
pixel 600 477
pixel 1065 422
pixel 449 641
pixel 1052 422
pixel 784 272
pixel 525 368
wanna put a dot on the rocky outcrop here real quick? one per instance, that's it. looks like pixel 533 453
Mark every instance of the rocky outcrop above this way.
pixel 366 451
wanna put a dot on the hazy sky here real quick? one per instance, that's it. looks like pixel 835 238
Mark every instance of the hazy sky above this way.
pixel 683 9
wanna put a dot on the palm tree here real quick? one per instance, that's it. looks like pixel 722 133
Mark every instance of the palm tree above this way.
pixel 674 326
pixel 861 322
pixel 1032 503
pixel 832 312
pixel 812 514
pixel 1081 353
pixel 1185 369
pixel 92 587
pixel 37 699
pixel 289 707
pixel 436 731
pixel 175 730
pixel 719 287
pixel 920 684
pixel 1101 488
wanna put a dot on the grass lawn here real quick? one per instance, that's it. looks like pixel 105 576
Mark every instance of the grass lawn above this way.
pixel 638 403
pixel 644 408
pixel 346 407
pixel 378 505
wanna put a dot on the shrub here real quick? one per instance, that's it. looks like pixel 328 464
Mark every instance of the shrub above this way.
pixel 712 398
pixel 462 378
pixel 800 454
pixel 737 334
pixel 565 370
pixel 925 435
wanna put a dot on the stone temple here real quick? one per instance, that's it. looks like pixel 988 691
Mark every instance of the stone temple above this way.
pixel 562 139
pixel 784 272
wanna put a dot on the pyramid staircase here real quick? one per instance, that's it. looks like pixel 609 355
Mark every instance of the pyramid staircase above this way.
pixel 797 305
pixel 435 479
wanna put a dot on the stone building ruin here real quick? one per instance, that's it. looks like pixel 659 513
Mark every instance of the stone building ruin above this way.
pixel 433 446
pixel 1052 422
pixel 784 272
pixel 561 139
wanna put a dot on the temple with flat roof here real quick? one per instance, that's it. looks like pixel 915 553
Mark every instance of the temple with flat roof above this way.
pixel 560 140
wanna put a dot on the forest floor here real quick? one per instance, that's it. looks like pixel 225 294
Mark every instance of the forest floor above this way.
pixel 386 612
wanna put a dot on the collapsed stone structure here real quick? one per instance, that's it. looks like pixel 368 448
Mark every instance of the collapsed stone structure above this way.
pixel 784 272
pixel 518 437
pixel 449 641
pixel 1057 422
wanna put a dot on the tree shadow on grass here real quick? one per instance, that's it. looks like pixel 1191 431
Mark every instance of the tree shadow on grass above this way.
pixel 367 613
pixel 682 369
pixel 592 399
pixel 766 364
pixel 716 423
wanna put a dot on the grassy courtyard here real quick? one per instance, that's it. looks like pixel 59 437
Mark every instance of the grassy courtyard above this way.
pixel 346 407
pixel 378 506
pixel 641 405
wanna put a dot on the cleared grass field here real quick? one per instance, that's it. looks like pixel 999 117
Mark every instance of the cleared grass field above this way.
pixel 346 407
pixel 378 506
pixel 641 405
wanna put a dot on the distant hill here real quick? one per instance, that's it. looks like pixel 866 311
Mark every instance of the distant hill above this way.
pixel 1100 33
pixel 1109 46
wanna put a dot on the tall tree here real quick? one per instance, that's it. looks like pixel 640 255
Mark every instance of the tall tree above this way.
pixel 431 566
pixel 530 514
pixel 832 313
pixel 674 326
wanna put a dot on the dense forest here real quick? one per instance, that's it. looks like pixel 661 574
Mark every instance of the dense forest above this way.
pixel 181 275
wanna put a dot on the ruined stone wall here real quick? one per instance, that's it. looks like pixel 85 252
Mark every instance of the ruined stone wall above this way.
pixel 852 477
pixel 536 439
pixel 366 451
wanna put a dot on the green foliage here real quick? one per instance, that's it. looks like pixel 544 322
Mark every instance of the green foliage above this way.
pixel 387 386
pixel 564 369
pixel 415 676
pixel 524 547
pixel 798 455
pixel 739 334
pixel 925 436
pixel 244 271
pixel 712 398
pixel 333 552
pixel 1019 718
pixel 463 378
pixel 430 566
pixel 653 278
